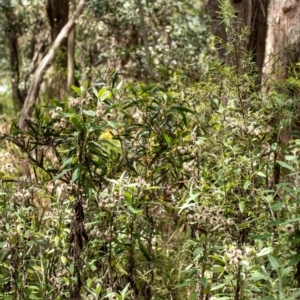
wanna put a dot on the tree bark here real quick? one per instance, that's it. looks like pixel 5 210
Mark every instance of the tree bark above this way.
pixel 12 33
pixel 39 73
pixel 283 41
pixel 249 13
pixel 253 14
pixel 58 14
pixel 144 34
pixel 217 27
pixel 71 59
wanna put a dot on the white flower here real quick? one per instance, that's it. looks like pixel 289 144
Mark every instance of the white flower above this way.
pixel 289 228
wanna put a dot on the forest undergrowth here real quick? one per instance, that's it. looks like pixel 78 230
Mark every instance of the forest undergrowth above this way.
pixel 155 191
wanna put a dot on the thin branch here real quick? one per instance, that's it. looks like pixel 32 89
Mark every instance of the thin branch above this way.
pixel 43 66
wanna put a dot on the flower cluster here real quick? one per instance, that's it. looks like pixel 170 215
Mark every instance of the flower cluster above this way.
pixel 289 228
pixel 101 107
pixel 112 201
pixel 22 195
pixel 208 215
pixel 141 183
pixel 190 166
pixel 191 150
pixel 234 255
pixel 61 123
pixel 9 168
pixel 80 102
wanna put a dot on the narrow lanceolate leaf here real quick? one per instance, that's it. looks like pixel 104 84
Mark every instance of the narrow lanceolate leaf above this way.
pixel 285 165
pixel 144 250
pixel 61 174
pixel 67 162
pixel 76 172
pixel 168 139
pixel 265 251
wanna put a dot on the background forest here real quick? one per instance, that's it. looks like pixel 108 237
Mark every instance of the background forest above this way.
pixel 150 149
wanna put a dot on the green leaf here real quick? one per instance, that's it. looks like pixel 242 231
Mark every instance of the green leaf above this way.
pixel 277 206
pixel 183 109
pixel 258 277
pixel 274 263
pixel 85 85
pixel 64 260
pixel 265 251
pixel 119 85
pixel 133 210
pixel 291 157
pixel 217 269
pixel 89 113
pixel 120 269
pixel 168 139
pixel 185 283
pixel 103 94
pixel 217 287
pixel 193 296
pixel 71 269
pixel 56 241
pixel 285 165
pixel 76 89
pixel 98 289
pixel 95 91
pixel 78 124
pixel 203 282
pixel 197 252
pixel 2 244
pixel 76 172
pixel 294 259
pixel 67 162
pixel 144 250
pixel 261 174
pixel 242 206
pixel 89 282
pixel 61 174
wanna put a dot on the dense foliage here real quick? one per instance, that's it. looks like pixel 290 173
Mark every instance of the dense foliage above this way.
pixel 138 192
pixel 177 189
pixel 108 37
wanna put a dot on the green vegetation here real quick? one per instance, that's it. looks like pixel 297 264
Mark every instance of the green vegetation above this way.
pixel 182 188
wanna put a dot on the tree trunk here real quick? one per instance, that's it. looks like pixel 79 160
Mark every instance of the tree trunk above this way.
pixel 283 40
pixel 56 85
pixel 39 73
pixel 12 34
pixel 217 27
pixel 58 13
pixel 253 14
pixel 249 13
pixel 71 59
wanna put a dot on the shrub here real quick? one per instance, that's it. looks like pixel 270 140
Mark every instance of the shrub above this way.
pixel 139 192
